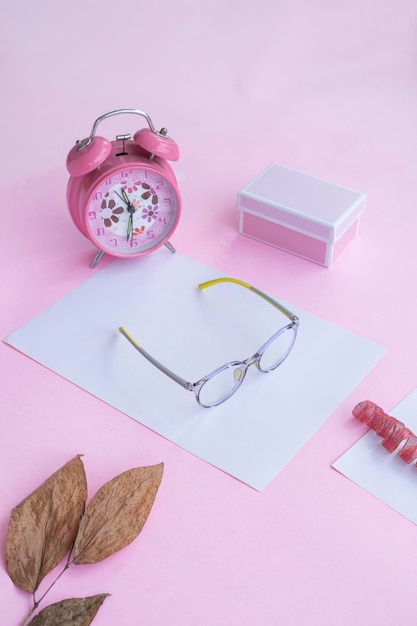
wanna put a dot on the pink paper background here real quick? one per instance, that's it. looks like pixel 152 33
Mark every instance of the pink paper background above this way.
pixel 327 88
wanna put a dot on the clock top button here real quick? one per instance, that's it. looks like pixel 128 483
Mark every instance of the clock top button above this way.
pixel 157 144
pixel 85 160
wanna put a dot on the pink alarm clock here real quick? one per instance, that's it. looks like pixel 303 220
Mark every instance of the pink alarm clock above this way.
pixel 123 194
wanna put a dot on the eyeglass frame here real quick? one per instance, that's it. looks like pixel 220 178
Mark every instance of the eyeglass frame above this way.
pixel 253 360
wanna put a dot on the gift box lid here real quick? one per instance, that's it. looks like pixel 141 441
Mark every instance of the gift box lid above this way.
pixel 303 202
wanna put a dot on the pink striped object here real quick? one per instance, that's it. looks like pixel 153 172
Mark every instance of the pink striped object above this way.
pixel 393 432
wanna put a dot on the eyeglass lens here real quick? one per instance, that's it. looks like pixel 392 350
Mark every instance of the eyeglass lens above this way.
pixel 227 379
pixel 222 384
pixel 276 349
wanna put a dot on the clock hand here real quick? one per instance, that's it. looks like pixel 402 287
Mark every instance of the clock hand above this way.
pixel 130 206
pixel 131 210
pixel 118 194
pixel 125 196
pixel 129 227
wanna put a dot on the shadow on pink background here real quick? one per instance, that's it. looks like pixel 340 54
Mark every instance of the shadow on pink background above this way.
pixel 327 88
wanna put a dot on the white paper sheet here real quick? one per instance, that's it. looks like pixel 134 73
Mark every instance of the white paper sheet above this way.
pixel 385 475
pixel 252 435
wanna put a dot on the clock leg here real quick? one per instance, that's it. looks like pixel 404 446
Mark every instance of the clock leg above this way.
pixel 170 247
pixel 97 259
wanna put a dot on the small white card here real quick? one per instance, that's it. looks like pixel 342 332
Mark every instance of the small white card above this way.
pixel 253 434
pixel 382 474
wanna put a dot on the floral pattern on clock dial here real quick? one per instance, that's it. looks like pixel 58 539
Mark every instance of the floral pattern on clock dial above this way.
pixel 132 210
pixel 109 211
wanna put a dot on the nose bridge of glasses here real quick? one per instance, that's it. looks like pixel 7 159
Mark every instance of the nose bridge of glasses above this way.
pixel 252 360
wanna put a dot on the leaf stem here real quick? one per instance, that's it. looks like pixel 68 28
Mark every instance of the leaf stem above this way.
pixel 36 603
pixel 31 612
pixel 53 583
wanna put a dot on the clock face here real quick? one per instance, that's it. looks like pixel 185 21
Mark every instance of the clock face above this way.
pixel 132 211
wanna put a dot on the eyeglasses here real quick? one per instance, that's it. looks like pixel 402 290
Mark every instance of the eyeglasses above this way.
pixel 224 381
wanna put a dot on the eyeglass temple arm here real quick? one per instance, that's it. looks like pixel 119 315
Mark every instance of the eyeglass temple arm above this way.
pixel 165 370
pixel 151 359
pixel 260 293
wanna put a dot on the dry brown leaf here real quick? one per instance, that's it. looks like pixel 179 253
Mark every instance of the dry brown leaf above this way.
pixel 43 527
pixel 71 612
pixel 116 514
